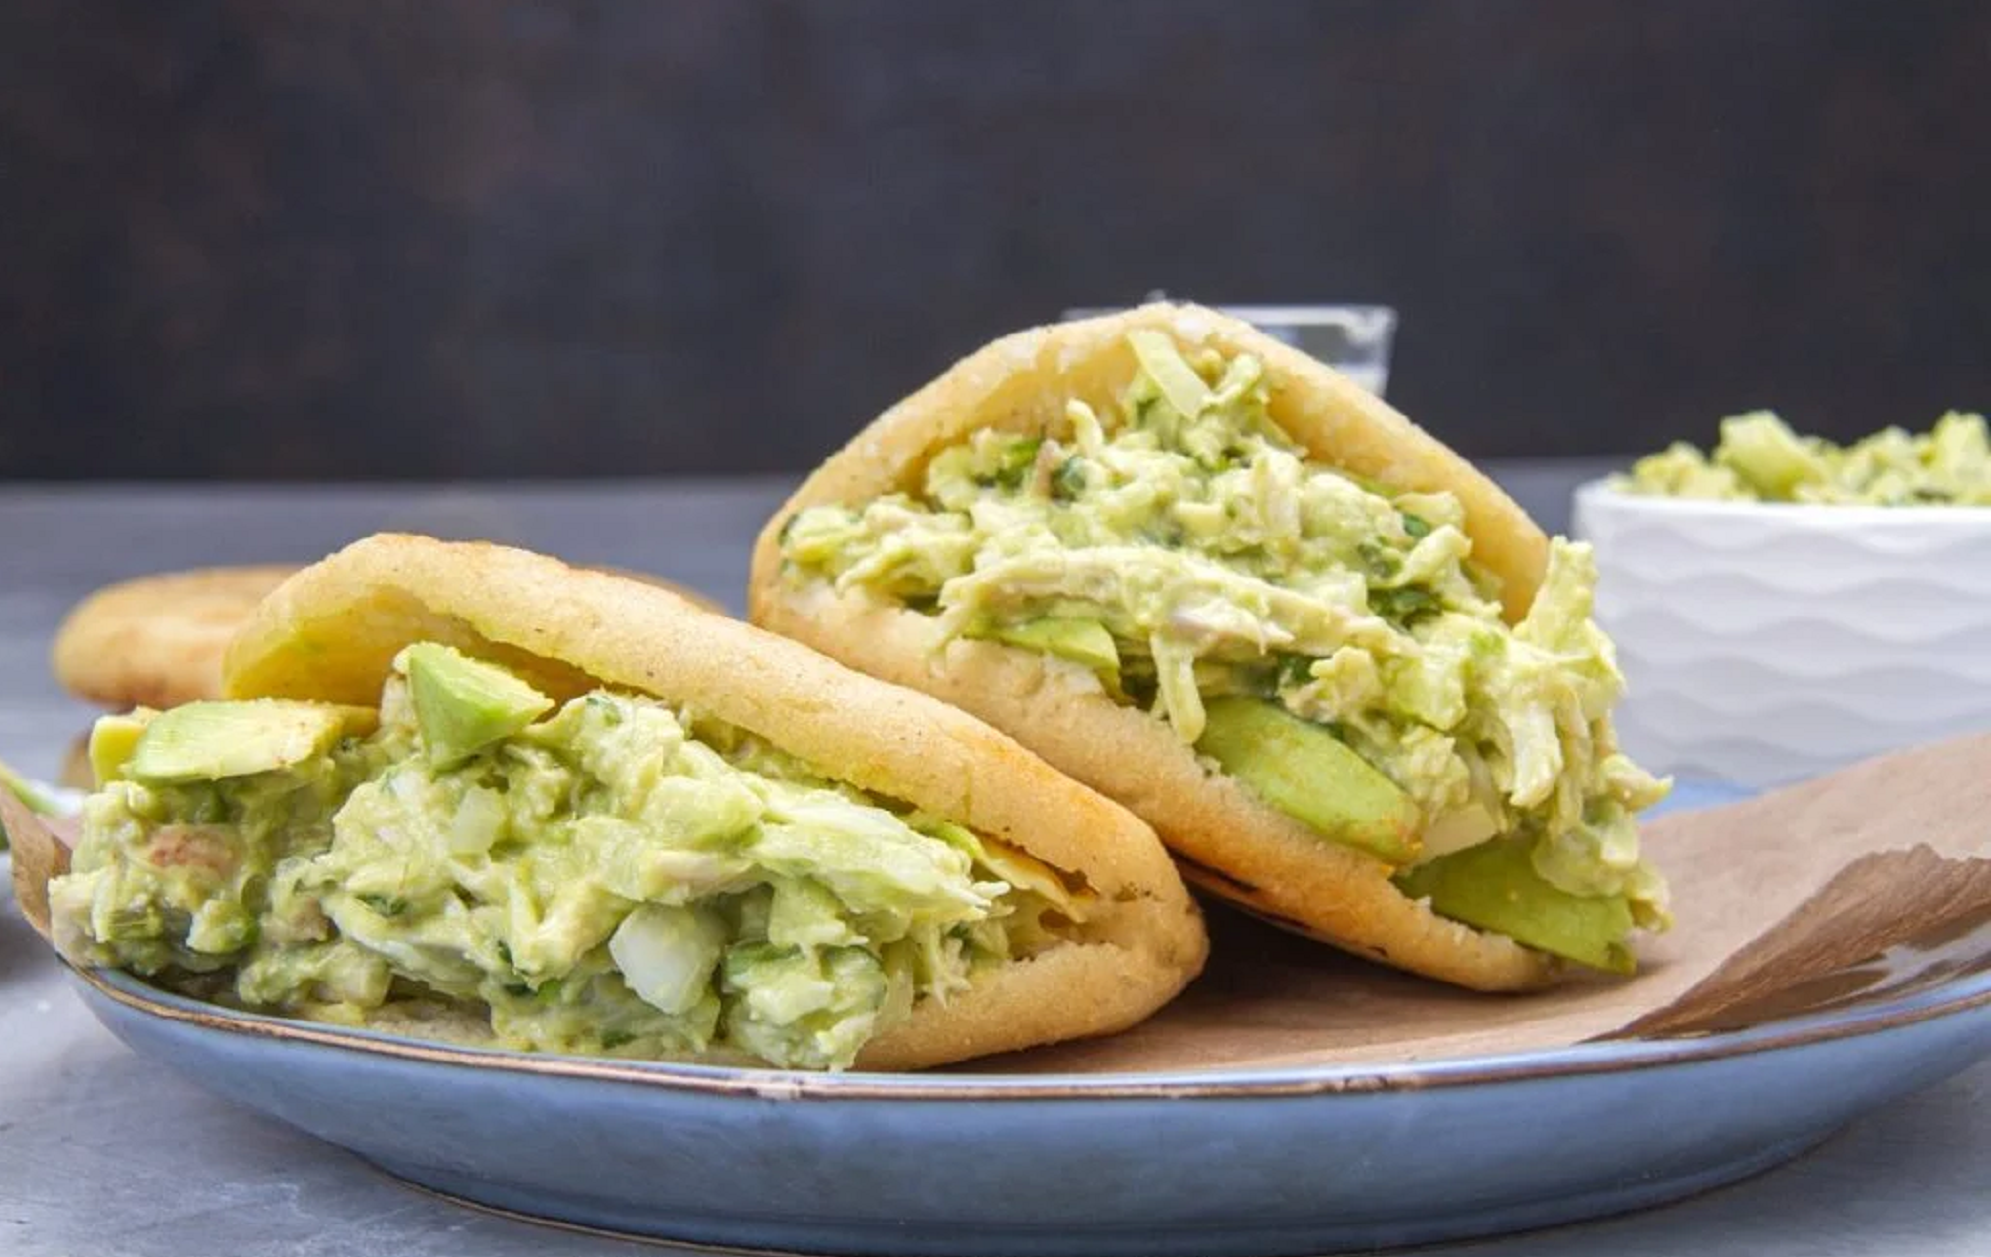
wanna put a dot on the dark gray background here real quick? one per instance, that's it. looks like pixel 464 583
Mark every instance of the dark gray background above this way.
pixel 304 238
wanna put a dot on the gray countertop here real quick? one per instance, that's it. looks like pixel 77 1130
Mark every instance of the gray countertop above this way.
pixel 102 1153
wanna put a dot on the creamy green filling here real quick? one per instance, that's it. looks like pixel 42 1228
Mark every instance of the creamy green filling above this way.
pixel 1222 560
pixel 614 879
pixel 1760 459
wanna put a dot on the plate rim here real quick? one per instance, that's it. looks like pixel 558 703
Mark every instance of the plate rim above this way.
pixel 1945 999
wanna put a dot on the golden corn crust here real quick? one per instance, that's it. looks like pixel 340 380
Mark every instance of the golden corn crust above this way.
pixel 156 641
pixel 331 632
pixel 1229 841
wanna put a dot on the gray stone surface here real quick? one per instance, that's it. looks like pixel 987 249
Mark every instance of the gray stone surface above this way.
pixel 104 1154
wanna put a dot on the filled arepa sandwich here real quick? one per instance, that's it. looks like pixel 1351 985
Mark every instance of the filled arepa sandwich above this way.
pixel 464 790
pixel 1348 680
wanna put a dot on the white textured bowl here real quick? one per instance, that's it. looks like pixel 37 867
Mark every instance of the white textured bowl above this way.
pixel 1765 642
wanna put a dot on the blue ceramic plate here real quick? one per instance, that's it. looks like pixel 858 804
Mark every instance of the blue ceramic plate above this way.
pixel 1303 1160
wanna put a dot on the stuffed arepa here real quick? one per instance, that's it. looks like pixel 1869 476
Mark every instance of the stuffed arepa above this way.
pixel 456 785
pixel 1348 680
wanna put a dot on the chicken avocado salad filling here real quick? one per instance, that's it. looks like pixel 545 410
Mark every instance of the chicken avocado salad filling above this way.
pixel 1326 641
pixel 608 876
pixel 1760 459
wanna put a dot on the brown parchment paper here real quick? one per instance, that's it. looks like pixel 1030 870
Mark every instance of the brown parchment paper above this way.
pixel 1878 876
pixel 1874 878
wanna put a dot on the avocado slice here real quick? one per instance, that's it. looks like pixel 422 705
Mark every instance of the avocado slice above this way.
pixel 210 741
pixel 1310 775
pixel 34 796
pixel 462 705
pixel 113 741
pixel 1494 886
pixel 1084 642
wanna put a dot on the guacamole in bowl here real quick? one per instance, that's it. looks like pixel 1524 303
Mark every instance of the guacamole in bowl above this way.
pixel 1759 458
pixel 1784 606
